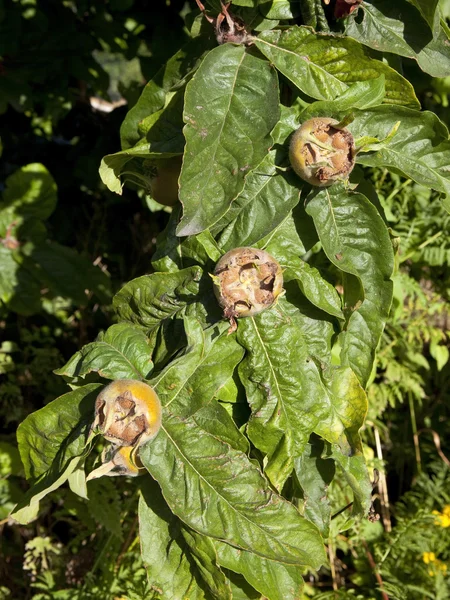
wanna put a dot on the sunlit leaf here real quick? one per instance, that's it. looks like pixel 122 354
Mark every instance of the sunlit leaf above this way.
pixel 231 106
pixel 324 66
pixel 122 352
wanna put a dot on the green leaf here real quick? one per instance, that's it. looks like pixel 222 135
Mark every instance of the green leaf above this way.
pixel 313 474
pixel 267 198
pixel 420 149
pixel 153 97
pixel 57 431
pixel 356 240
pixel 341 428
pixel 162 131
pixel 224 138
pixel 30 192
pixel 275 580
pixel 323 66
pixel 209 482
pixel 363 94
pixel 313 15
pixel 123 166
pixel 195 377
pixel 397 27
pixel 168 558
pixel 317 289
pixel 28 508
pixel 205 556
pixel 123 352
pixel 19 289
pixel 427 8
pixel 284 387
pixel 70 274
pixel 280 9
pixel 52 442
pixel 151 299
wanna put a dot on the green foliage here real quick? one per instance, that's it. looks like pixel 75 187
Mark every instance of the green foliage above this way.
pixel 260 454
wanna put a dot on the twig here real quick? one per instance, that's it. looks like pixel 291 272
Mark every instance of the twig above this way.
pixel 437 443
pixel 415 435
pixel 374 568
pixel 127 543
pixel 382 485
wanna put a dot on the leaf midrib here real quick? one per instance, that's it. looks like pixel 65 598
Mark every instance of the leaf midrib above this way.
pixel 233 508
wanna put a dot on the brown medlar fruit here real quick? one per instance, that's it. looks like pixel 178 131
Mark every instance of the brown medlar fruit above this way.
pixel 321 153
pixel 246 282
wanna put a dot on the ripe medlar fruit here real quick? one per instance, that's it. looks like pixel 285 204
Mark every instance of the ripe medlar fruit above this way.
pixel 128 413
pixel 246 282
pixel 164 186
pixel 321 153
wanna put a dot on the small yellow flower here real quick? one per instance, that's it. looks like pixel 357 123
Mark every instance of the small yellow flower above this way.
pixel 428 557
pixel 443 518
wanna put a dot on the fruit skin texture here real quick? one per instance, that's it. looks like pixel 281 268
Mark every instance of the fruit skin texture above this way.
pixel 322 154
pixel 128 413
pixel 164 186
pixel 246 282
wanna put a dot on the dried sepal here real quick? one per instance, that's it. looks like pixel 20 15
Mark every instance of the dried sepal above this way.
pixel 117 461
pixel 246 282
pixel 227 27
pixel 322 152
pixel 127 413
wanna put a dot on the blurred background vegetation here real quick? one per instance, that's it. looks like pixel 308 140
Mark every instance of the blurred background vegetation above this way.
pixel 69 72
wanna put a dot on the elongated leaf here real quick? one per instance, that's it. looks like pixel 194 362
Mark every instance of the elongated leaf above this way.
pixel 162 131
pixel 267 198
pixel 52 442
pixel 123 352
pixel 275 580
pixel 356 240
pixel 313 15
pixel 164 552
pixel 28 508
pixel 324 66
pixel 420 149
pixel 208 481
pixel 57 431
pixel 284 387
pixel 397 27
pixel 154 94
pixel 195 377
pixel 205 556
pixel 150 299
pixel 318 291
pixel 314 473
pixel 231 106
pixel 341 428
pixel 427 8
pixel 70 274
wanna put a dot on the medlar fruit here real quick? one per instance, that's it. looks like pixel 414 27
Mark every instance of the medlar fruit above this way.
pixel 164 186
pixel 321 153
pixel 119 461
pixel 127 413
pixel 246 282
